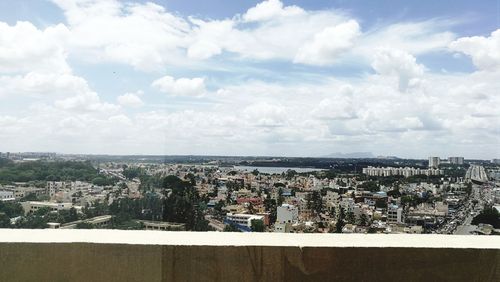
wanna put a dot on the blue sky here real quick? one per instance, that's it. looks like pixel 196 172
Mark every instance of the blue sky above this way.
pixel 291 78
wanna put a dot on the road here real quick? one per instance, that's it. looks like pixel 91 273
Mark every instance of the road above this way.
pixel 483 195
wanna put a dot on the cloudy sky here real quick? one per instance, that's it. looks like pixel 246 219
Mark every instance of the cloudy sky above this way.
pixel 281 78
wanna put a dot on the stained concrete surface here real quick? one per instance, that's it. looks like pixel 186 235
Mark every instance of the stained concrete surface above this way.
pixel 129 262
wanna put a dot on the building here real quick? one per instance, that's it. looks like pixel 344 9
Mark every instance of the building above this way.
pixel 30 207
pixel 161 225
pixel 287 214
pixel 394 214
pixel 242 221
pixel 6 195
pixel 282 227
pixel 456 160
pixel 434 162
pixel 405 171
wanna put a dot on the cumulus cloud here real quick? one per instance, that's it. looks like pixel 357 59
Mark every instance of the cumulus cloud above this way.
pixel 258 110
pixel 395 62
pixel 156 37
pixel 484 51
pixel 152 39
pixel 131 100
pixel 88 101
pixel 181 86
pixel 328 44
pixel 41 84
pixel 265 115
pixel 24 47
pixel 338 109
pixel 271 9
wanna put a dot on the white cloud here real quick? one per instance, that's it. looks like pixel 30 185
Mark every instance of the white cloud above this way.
pixel 41 84
pixel 88 101
pixel 156 38
pixel 341 108
pixel 394 62
pixel 131 100
pixel 271 9
pixel 23 47
pixel 328 44
pixel 181 86
pixel 150 36
pixel 265 115
pixel 484 51
pixel 412 37
pixel 303 111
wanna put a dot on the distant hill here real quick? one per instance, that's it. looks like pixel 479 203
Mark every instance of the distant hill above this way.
pixel 353 155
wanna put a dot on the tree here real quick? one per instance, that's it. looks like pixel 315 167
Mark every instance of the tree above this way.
pixel 4 221
pixel 231 228
pixel 131 173
pixel 315 202
pixel 73 215
pixel 381 203
pixel 270 206
pixel 371 186
pixel 257 225
pixel 363 220
pixel 290 173
pixel 280 197
pixel 11 209
pixel 183 204
pixel 351 218
pixel 340 221
pixel 488 216
pixel 394 193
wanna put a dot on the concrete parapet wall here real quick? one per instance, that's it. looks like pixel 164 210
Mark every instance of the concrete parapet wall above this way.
pixel 26 259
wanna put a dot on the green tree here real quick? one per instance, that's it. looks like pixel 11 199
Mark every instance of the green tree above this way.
pixel 11 209
pixel 257 225
pixel 183 204
pixel 4 221
pixel 340 221
pixel 280 197
pixel 315 202
pixel 363 220
pixel 488 216
pixel 351 218
pixel 231 228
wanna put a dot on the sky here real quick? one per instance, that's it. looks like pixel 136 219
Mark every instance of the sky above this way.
pixel 277 78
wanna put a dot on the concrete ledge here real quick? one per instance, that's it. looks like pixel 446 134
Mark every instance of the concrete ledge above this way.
pixel 110 255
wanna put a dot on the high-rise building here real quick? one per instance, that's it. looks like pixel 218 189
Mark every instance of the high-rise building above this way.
pixel 434 162
pixel 456 160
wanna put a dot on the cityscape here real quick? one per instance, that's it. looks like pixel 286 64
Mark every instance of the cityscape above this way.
pixel 256 140
pixel 250 194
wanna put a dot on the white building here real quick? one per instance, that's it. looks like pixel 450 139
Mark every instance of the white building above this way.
pixel 243 219
pixel 30 207
pixel 6 195
pixel 394 214
pixel 434 162
pixel 282 227
pixel 405 171
pixel 287 214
